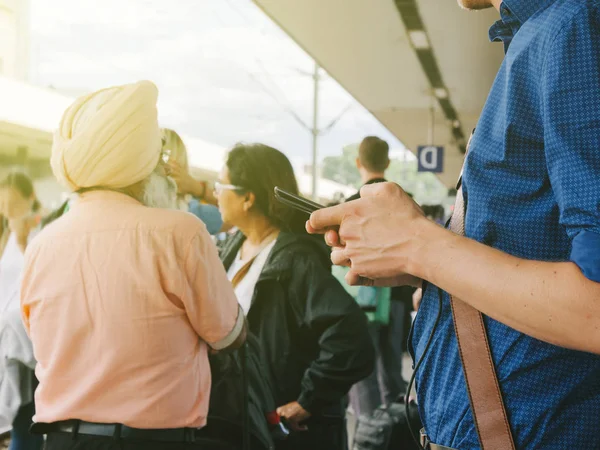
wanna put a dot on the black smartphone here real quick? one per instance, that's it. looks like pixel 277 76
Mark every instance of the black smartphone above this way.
pixel 296 202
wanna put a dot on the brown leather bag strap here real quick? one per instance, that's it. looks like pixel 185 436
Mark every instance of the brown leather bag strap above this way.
pixel 239 276
pixel 485 397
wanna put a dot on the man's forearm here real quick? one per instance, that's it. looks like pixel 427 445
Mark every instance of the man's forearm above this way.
pixel 553 302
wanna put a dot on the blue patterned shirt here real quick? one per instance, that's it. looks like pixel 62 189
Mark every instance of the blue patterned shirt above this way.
pixel 532 189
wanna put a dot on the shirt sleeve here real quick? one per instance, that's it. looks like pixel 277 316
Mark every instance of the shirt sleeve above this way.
pixel 208 298
pixel 208 214
pixel 571 115
pixel 346 353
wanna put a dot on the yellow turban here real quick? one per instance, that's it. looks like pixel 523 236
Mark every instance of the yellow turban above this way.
pixel 108 139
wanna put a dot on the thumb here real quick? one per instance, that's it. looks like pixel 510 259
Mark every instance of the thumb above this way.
pixel 328 217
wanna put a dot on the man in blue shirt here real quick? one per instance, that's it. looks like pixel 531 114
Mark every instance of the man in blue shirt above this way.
pixel 530 260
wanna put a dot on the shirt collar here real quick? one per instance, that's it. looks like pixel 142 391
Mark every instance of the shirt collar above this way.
pixel 513 14
pixel 376 180
pixel 104 195
pixel 524 9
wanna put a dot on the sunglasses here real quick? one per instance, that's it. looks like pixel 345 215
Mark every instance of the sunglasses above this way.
pixel 165 156
pixel 220 187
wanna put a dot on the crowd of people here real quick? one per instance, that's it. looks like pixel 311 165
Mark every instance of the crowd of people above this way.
pixel 125 325
pixel 152 307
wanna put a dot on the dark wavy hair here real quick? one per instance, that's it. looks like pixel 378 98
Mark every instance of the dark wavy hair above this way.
pixel 23 184
pixel 258 168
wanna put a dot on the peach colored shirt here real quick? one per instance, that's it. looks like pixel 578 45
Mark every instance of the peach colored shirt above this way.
pixel 119 301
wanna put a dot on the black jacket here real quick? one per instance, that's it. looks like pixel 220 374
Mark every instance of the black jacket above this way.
pixel 313 333
pixel 228 398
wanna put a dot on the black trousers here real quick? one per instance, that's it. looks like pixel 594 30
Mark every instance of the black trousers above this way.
pixel 66 441
pixel 393 347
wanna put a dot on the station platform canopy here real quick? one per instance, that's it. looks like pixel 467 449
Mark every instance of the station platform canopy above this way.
pixel 28 117
pixel 400 57
pixel 30 114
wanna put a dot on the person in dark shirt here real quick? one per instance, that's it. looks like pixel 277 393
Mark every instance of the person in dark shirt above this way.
pixel 386 384
pixel 372 162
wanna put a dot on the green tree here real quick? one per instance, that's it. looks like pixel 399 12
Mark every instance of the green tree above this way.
pixel 342 168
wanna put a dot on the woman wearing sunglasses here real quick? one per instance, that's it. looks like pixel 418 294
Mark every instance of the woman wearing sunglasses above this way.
pixel 313 333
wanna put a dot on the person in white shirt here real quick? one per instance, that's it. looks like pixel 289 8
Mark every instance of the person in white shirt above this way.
pixel 22 211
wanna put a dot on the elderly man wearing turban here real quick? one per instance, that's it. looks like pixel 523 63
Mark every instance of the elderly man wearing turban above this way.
pixel 122 299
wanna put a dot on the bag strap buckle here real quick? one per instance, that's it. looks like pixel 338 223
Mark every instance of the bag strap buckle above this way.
pixel 424 439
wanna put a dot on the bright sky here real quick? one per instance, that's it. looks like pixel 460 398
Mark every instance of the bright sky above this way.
pixel 225 72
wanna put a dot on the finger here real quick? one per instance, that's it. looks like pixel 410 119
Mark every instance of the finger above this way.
pixel 329 217
pixel 311 230
pixel 339 257
pixel 354 279
pixel 332 238
pixel 280 411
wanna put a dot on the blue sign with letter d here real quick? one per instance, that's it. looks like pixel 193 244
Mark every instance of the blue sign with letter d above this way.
pixel 431 159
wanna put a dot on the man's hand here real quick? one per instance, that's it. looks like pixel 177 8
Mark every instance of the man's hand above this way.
pixel 376 236
pixel 294 414
pixel 384 235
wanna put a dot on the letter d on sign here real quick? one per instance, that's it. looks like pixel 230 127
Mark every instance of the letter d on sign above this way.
pixel 431 159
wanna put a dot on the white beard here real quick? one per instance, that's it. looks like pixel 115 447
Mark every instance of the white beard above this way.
pixel 160 192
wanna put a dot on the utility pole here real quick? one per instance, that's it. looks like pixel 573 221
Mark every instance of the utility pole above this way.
pixel 314 129
pixel 315 132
